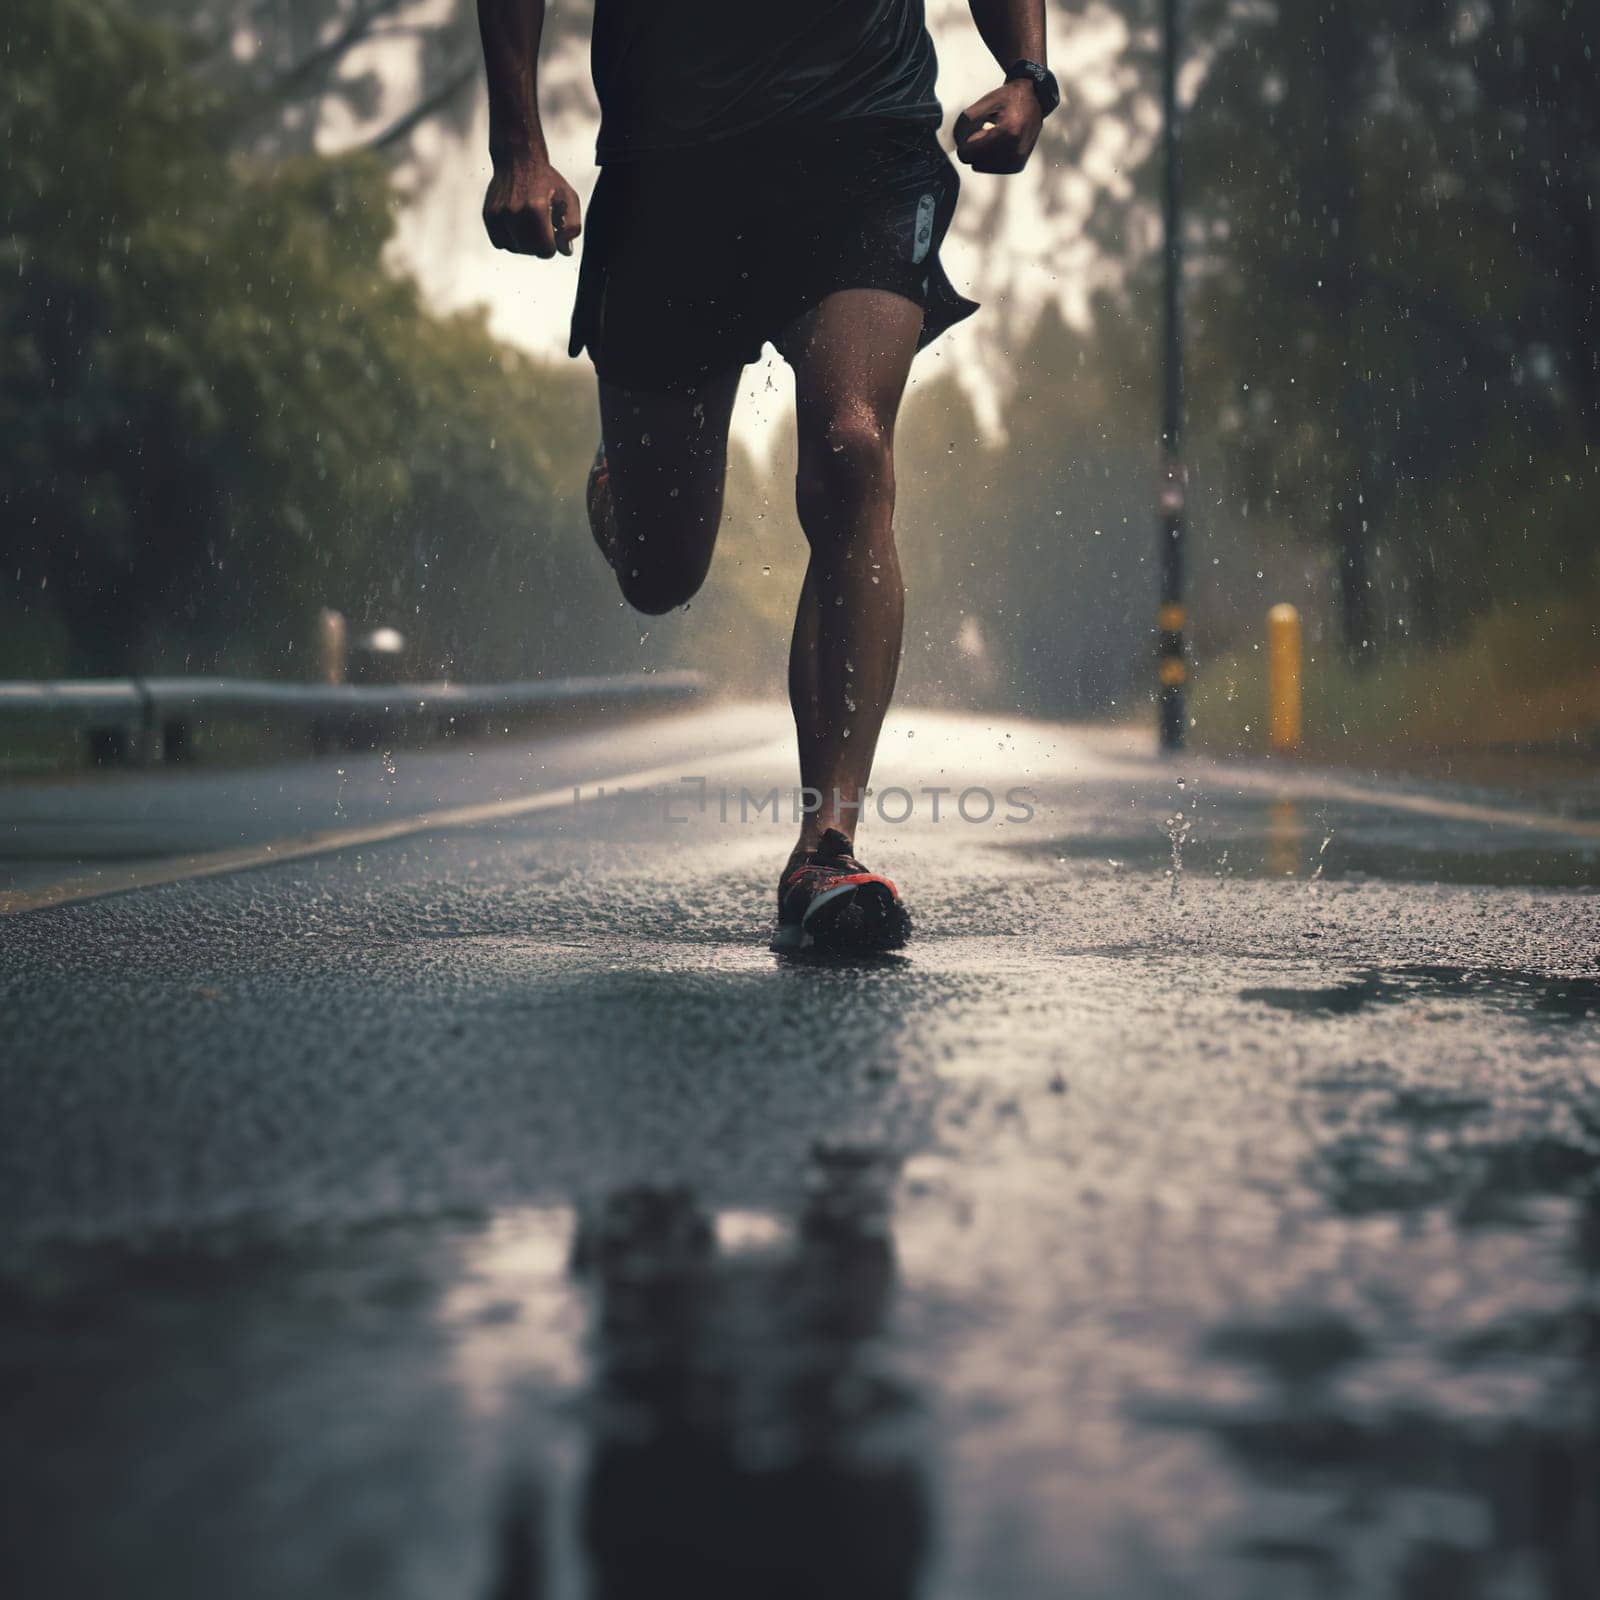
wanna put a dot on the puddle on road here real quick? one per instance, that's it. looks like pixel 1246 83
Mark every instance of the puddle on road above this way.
pixel 1535 995
pixel 1366 1479
pixel 642 1396
pixel 1254 838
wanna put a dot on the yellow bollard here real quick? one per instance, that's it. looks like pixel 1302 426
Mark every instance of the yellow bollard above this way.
pixel 1283 678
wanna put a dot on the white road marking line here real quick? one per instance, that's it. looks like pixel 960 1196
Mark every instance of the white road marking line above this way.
pixel 213 863
pixel 1316 786
pixel 1445 810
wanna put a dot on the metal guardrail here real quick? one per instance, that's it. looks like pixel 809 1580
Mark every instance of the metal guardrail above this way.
pixel 141 720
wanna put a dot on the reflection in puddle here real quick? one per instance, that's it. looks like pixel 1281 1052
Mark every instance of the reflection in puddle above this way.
pixel 1284 839
pixel 1237 837
pixel 747 1438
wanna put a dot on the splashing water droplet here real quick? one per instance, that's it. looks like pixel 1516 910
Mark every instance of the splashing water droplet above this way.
pixel 1177 828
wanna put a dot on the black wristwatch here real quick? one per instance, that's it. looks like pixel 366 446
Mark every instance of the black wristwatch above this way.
pixel 1043 81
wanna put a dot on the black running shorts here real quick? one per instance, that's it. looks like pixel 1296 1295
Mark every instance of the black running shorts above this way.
pixel 692 262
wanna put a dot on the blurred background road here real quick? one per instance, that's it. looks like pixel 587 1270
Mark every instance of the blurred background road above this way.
pixel 1206 1203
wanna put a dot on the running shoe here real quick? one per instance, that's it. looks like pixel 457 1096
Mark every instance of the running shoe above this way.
pixel 602 510
pixel 828 901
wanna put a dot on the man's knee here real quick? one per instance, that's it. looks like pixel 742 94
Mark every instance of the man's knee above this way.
pixel 663 552
pixel 654 582
pixel 657 593
pixel 846 468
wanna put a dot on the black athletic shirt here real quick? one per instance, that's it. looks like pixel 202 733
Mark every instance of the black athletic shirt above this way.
pixel 675 74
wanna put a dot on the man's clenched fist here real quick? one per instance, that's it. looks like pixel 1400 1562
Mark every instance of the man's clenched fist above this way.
pixel 998 132
pixel 531 209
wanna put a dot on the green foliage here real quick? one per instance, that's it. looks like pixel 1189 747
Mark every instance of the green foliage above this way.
pixel 221 410
pixel 1395 287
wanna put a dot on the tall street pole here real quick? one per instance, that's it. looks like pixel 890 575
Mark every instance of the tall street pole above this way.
pixel 1170 665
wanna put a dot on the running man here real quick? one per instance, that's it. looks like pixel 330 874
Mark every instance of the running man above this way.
pixel 770 171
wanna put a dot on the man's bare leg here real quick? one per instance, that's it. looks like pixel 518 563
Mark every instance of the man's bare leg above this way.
pixel 851 356
pixel 667 457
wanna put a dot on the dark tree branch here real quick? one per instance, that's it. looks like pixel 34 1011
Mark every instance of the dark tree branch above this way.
pixel 430 105
pixel 294 79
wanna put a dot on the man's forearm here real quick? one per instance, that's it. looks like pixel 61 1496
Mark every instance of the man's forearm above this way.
pixel 1012 29
pixel 510 30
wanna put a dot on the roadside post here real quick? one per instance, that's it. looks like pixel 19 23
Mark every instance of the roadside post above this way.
pixel 1283 678
pixel 1171 669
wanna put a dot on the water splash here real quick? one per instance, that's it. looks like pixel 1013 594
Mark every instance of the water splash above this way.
pixel 1322 858
pixel 1177 828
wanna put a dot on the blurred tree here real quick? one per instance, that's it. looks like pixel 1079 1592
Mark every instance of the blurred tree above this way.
pixel 286 66
pixel 1077 471
pixel 1394 259
pixel 220 408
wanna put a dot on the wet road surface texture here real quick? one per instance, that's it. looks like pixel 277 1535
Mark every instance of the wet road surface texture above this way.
pixel 1207 1203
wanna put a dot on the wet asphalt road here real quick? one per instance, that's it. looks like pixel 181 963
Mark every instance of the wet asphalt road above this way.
pixel 1204 1205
